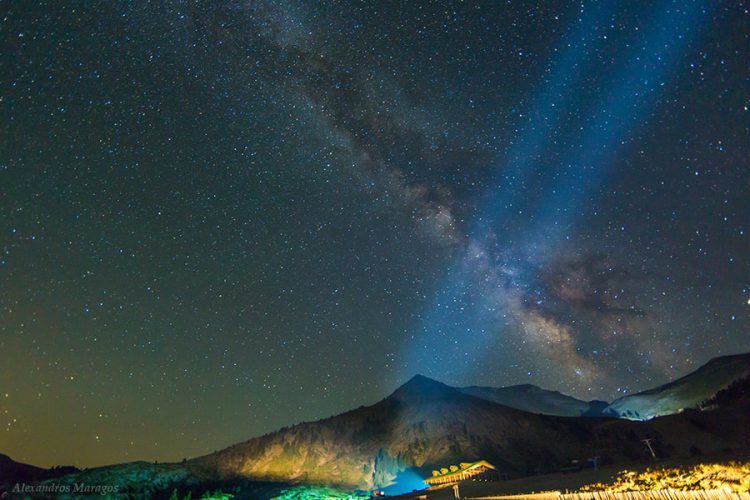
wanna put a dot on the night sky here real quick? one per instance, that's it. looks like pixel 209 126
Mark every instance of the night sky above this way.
pixel 220 218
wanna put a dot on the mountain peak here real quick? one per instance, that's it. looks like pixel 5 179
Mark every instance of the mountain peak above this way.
pixel 421 379
pixel 421 387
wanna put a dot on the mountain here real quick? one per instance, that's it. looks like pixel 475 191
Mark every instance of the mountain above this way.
pixel 534 399
pixel 690 391
pixel 17 472
pixel 425 425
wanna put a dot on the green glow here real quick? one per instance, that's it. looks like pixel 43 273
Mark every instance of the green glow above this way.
pixel 217 495
pixel 317 493
pixel 209 495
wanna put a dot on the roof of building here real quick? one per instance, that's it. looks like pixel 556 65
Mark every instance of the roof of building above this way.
pixel 463 467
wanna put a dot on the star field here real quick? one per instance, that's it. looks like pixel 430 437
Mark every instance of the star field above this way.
pixel 223 218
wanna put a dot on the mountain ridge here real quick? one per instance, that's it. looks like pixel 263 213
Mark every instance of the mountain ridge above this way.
pixel 13 471
pixel 686 392
pixel 425 424
pixel 534 399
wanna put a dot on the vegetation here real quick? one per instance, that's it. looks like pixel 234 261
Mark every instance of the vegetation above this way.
pixel 318 493
pixel 732 476
pixel 736 390
pixel 209 495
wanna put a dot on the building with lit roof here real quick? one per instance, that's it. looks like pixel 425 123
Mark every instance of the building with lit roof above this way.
pixel 481 470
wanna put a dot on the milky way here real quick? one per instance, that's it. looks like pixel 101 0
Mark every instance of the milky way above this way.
pixel 224 218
